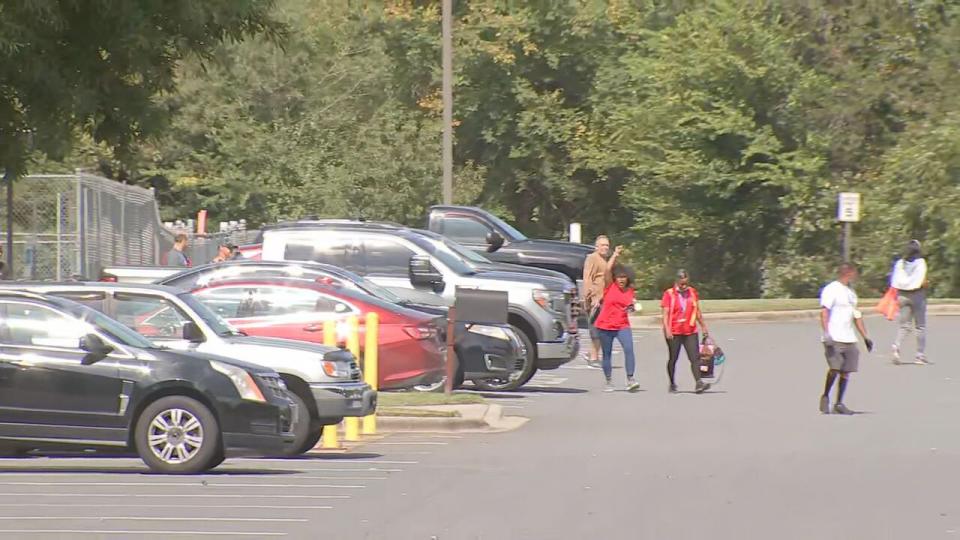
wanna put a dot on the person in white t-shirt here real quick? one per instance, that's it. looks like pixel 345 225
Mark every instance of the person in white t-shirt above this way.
pixel 909 278
pixel 840 321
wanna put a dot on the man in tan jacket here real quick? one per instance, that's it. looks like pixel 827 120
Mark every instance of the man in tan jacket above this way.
pixel 593 271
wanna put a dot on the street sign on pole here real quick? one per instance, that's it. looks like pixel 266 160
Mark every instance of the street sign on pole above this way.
pixel 848 213
pixel 848 209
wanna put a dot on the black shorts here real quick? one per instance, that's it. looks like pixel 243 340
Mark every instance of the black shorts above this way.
pixel 843 357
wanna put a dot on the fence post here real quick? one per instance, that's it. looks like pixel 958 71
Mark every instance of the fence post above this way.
pixel 81 229
pixel 59 268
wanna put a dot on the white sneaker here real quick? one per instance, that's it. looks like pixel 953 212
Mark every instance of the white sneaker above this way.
pixel 922 360
pixel 608 386
pixel 896 355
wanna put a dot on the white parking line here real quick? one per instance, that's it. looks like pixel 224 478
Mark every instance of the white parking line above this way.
pixel 128 533
pixel 151 505
pixel 135 518
pixel 181 484
pixel 177 495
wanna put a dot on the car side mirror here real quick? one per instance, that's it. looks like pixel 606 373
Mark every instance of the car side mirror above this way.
pixel 423 274
pixel 95 347
pixel 192 333
pixel 494 241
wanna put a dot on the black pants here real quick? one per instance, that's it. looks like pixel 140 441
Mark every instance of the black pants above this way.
pixel 692 344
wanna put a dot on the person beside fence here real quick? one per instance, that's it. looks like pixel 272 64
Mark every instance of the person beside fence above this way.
pixel 178 256
pixel 909 278
pixel 594 269
pixel 227 252
pixel 681 315
pixel 3 266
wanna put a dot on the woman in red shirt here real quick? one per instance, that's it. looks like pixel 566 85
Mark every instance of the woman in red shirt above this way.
pixel 681 314
pixel 613 321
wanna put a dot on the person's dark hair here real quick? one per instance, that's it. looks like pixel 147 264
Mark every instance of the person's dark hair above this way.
pixel 913 250
pixel 620 270
pixel 846 268
pixel 682 273
pixel 180 238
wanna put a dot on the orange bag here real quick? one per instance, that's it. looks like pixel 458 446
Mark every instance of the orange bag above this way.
pixel 889 306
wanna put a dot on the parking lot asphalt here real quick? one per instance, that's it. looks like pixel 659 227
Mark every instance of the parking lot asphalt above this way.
pixel 753 458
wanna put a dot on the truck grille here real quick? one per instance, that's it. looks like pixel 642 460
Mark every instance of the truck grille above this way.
pixel 355 373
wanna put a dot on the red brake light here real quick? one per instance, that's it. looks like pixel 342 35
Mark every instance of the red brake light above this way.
pixel 420 332
pixel 108 278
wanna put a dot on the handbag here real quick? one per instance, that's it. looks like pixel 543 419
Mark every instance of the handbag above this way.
pixel 711 357
pixel 889 306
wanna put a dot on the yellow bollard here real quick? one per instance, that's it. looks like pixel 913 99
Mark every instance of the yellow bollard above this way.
pixel 351 424
pixel 330 333
pixel 371 368
pixel 330 438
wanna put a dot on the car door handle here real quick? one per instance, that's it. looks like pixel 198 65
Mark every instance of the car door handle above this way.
pixel 313 328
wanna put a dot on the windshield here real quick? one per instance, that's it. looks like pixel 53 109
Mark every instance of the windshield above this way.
pixel 113 329
pixel 372 288
pixel 214 321
pixel 464 252
pixel 451 260
pixel 514 234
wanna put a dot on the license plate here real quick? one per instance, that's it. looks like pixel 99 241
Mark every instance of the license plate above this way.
pixel 356 403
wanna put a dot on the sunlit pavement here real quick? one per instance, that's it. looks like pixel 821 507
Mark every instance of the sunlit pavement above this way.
pixel 752 458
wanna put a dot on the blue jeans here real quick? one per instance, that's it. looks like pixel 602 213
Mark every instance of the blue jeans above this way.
pixel 625 337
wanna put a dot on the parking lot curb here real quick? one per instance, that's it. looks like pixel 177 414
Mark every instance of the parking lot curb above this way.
pixel 477 418
pixel 653 321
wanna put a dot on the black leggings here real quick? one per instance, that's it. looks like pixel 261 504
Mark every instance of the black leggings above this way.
pixel 692 344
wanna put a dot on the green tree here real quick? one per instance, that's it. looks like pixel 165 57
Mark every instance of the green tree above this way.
pixel 98 67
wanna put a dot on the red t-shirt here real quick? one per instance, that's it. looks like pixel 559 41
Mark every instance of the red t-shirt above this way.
pixel 613 315
pixel 682 310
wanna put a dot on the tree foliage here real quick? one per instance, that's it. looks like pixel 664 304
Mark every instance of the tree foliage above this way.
pixel 70 67
pixel 713 136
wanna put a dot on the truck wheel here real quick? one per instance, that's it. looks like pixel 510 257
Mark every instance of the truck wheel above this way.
pixel 302 429
pixel 177 435
pixel 526 368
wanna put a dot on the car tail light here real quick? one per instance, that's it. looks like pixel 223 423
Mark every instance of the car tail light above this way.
pixel 420 332
pixel 108 278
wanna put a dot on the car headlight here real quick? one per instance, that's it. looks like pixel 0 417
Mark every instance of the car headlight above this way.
pixel 337 370
pixel 494 332
pixel 241 379
pixel 547 299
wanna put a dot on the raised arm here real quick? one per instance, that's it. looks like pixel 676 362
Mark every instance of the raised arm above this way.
pixel 608 271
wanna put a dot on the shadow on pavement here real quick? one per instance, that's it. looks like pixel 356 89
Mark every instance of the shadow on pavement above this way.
pixel 330 456
pixel 141 471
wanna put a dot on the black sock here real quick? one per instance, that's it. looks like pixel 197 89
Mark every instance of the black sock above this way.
pixel 841 388
pixel 831 376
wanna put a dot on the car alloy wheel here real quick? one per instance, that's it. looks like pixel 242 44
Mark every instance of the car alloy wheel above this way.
pixel 175 436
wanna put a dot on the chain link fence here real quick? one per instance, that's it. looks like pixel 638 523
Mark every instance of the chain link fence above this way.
pixel 72 226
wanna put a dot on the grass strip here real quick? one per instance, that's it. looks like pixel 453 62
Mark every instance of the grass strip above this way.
pixel 413 399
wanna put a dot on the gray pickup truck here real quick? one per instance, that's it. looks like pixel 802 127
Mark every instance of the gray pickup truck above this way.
pixel 325 381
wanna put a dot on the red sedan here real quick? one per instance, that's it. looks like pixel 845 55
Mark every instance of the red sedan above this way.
pixel 411 351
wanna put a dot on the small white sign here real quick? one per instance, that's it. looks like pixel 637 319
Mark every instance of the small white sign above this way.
pixel 848 210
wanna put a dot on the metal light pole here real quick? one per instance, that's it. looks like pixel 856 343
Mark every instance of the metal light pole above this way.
pixel 8 179
pixel 447 91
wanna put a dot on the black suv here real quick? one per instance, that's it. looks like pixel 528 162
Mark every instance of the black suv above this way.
pixel 72 378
